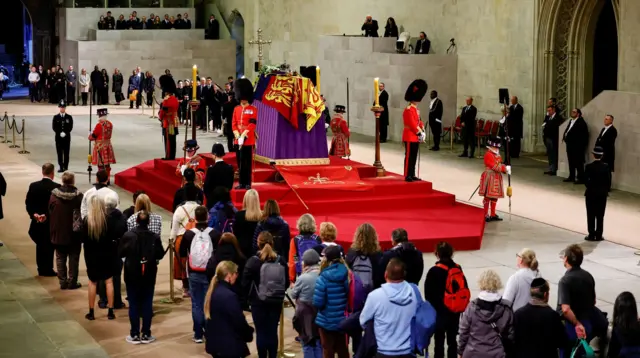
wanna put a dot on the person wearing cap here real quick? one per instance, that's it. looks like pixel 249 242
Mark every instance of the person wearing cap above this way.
pixel 62 127
pixel 220 174
pixel 305 313
pixel 168 116
pixel 244 126
pixel 598 182
pixel 491 183
pixel 192 160
pixel 103 155
pixel 413 132
pixel 340 130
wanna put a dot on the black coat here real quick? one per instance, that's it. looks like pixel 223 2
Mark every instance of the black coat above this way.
pixel 597 179
pixel 227 332
pixel 213 29
pixel 3 192
pixel 219 174
pixel 384 103
pixel 180 196
pixel 117 82
pixel 515 121
pixel 425 46
pixel 96 79
pixel 436 113
pixel 434 288
pixel 412 258
pixel 370 29
pixel 37 202
pixel 391 31
pixel 551 126
pixel 539 332
pixel 244 230
pixel 608 144
pixel 468 117
pixel 577 138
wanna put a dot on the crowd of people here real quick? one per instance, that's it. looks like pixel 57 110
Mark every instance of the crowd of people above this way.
pixel 168 22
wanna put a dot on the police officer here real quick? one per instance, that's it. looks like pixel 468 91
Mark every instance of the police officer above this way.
pixel 598 182
pixel 62 126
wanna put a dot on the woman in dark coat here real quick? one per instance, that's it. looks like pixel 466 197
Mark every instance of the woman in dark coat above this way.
pixel 116 84
pixel 227 249
pixel 3 192
pixel 104 91
pixel 227 330
pixel 391 29
pixel 246 221
pixel 276 226
pixel 51 85
pixel 60 81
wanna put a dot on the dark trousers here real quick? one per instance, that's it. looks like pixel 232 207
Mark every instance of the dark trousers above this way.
pixel 33 92
pixel 70 254
pixel 552 153
pixel 469 139
pixel 63 145
pixel 140 305
pixel 410 158
pixel 596 205
pixel 71 95
pixel 117 286
pixel 169 150
pixel 85 97
pixel 215 117
pixel 104 96
pixel 333 342
pixel 201 116
pixel 595 325
pixel 96 96
pixel 266 319
pixel 138 100
pixel 446 325
pixel 515 147
pixel 384 129
pixel 150 98
pixel 436 130
pixel 44 252
pixel 246 161
pixel 575 157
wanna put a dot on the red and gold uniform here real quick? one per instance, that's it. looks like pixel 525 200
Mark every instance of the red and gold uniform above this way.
pixel 491 182
pixel 102 154
pixel 411 136
pixel 244 131
pixel 197 163
pixel 168 116
pixel 339 142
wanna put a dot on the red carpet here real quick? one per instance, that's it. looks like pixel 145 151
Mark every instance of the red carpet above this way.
pixel 344 192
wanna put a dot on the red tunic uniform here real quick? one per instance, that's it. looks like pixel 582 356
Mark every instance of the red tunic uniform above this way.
pixel 102 151
pixel 244 119
pixel 412 124
pixel 491 185
pixel 168 114
pixel 196 162
pixel 339 142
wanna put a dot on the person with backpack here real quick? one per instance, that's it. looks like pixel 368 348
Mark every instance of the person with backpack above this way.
pixel 197 246
pixel 265 278
pixel 305 315
pixel 446 288
pixel 228 249
pixel 365 257
pixel 142 251
pixel 183 221
pixel 328 236
pixel 223 214
pixel 408 253
pixel 275 224
pixel 330 299
pixel 305 240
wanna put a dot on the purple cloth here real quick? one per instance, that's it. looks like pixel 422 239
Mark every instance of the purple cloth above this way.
pixel 277 139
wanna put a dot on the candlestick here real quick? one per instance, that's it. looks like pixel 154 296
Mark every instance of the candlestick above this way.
pixel 194 83
pixel 318 78
pixel 376 89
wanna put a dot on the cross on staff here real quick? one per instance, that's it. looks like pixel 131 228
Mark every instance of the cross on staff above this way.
pixel 260 42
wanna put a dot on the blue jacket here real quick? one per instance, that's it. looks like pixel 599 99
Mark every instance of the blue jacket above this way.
pixel 217 215
pixel 277 226
pixel 227 332
pixel 330 296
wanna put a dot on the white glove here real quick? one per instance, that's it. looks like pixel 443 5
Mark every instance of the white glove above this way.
pixel 241 141
pixel 502 120
pixel 326 126
pixel 422 137
pixel 508 169
pixel 63 134
pixel 183 168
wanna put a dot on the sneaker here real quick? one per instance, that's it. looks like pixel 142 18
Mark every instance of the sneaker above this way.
pixel 198 340
pixel 133 340
pixel 146 339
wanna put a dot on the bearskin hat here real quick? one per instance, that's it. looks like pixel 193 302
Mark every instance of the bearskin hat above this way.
pixel 495 142
pixel 170 86
pixel 244 90
pixel 416 91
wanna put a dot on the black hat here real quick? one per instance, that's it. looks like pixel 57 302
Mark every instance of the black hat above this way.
pixel 102 112
pixel 339 109
pixel 244 90
pixel 191 144
pixel 495 142
pixel 332 253
pixel 218 150
pixel 170 86
pixel 416 91
pixel 62 104
pixel 597 151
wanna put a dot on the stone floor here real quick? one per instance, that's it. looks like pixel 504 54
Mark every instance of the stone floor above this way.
pixel 37 319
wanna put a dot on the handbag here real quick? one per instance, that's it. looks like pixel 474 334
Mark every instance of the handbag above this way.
pixel 586 348
pixel 133 96
pixel 77 221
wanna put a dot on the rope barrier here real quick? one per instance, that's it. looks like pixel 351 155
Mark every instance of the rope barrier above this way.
pixel 24 146
pixel 5 119
pixel 13 127
pixel 172 252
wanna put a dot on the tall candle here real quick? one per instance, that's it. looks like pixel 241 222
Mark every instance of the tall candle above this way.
pixel 194 82
pixel 318 78
pixel 376 90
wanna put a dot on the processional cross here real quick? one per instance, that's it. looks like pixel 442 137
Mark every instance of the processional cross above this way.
pixel 260 42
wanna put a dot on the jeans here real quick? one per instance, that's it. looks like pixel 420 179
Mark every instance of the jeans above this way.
pixel 140 303
pixel 552 154
pixel 312 350
pixel 198 285
pixel 265 319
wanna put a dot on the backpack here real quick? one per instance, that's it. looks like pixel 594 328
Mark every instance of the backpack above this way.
pixel 423 323
pixel 201 250
pixel 228 225
pixel 456 293
pixel 141 263
pixel 357 293
pixel 304 243
pixel 191 224
pixel 364 270
pixel 272 284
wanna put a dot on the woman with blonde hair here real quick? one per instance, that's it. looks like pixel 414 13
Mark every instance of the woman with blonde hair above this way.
pixel 143 203
pixel 518 288
pixel 246 221
pixel 272 222
pixel 365 256
pixel 305 240
pixel 227 330
pixel 486 326
pixel 228 249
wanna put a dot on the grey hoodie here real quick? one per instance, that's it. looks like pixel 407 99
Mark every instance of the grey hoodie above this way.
pixel 306 284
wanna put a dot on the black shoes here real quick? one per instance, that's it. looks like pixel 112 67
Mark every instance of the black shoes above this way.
pixel 435 149
pixel 408 179
pixel 60 170
pixel 593 238
pixel 48 274
pixel 74 286
pixel 414 178
pixel 243 187
pixel 569 180
pixel 463 155
pixel 550 173
pixel 492 218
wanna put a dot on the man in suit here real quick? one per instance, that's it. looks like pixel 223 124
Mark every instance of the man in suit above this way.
pixel 37 203
pixel 220 174
pixel 598 183
pixel 435 119
pixel 468 122
pixel 135 84
pixel 187 22
pixel 370 27
pixel 576 138
pixel 213 28
pixel 72 80
pixel 515 126
pixel 607 141
pixel 383 98
pixel 423 45
pixel 62 127
pixel 201 95
pixel 550 127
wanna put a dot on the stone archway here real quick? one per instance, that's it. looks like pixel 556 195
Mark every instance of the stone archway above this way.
pixel 236 24
pixel 564 55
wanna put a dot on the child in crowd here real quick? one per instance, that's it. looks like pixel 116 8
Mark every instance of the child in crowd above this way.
pixel 305 315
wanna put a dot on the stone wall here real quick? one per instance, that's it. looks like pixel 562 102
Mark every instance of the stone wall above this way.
pixel 629 46
pixel 362 59
pixel 133 35
pixel 625 107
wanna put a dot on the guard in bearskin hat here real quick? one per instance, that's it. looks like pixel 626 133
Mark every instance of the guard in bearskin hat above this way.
pixel 413 133
pixel 168 116
pixel 102 155
pixel 192 160
pixel 244 130
pixel 62 126
pixel 491 183
pixel 340 130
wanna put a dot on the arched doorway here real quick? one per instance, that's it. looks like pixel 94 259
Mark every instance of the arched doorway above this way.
pixel 605 51
pixel 237 33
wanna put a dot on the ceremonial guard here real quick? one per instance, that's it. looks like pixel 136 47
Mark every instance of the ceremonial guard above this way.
pixel 102 155
pixel 598 183
pixel 244 130
pixel 193 161
pixel 168 116
pixel 340 130
pixel 491 184
pixel 62 126
pixel 413 132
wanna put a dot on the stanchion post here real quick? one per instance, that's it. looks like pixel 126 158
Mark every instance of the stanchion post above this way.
pixel 172 295
pixel 13 132
pixel 4 119
pixel 206 112
pixel 24 146
pixel 281 352
pixel 6 128
pixel 452 133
